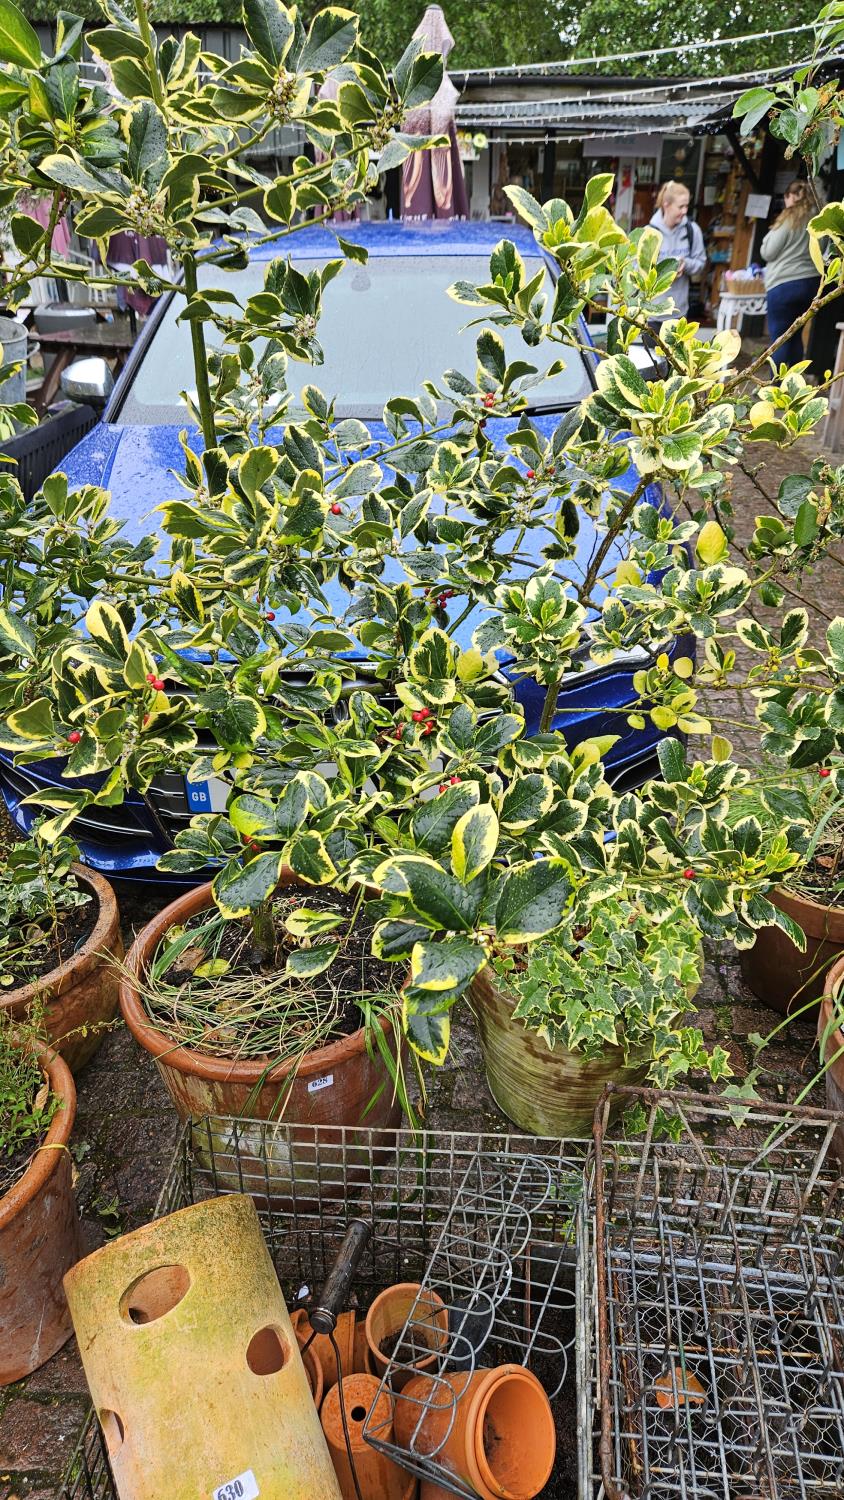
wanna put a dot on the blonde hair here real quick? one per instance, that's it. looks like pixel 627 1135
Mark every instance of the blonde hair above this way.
pixel 669 191
pixel 800 212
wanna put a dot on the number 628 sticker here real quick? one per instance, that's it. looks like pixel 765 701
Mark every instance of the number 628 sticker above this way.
pixel 244 1487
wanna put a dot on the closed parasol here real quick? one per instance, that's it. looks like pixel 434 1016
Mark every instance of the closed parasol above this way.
pixel 433 185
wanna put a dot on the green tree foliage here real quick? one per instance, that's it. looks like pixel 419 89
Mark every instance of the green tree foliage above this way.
pixel 488 33
pixel 494 33
pixel 603 26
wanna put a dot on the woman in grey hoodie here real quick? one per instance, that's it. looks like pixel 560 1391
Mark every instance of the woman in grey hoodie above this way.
pixel 791 276
pixel 681 241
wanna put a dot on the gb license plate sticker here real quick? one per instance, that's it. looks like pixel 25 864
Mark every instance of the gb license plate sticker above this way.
pixel 207 797
pixel 244 1487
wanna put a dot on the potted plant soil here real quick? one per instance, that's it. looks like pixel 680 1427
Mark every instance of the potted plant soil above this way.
pixel 414 1349
pixel 258 1018
pixel 39 1227
pixel 813 896
pixel 559 1021
pixel 59 939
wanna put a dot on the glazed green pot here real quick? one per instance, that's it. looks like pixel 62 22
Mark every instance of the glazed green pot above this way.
pixel 546 1091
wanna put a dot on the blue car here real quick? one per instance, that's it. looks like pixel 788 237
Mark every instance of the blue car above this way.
pixel 386 326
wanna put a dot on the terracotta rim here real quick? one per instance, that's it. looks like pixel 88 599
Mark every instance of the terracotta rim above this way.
pixel 184 1059
pixel 806 907
pixel 81 963
pixel 52 1149
pixel 439 1318
pixel 834 980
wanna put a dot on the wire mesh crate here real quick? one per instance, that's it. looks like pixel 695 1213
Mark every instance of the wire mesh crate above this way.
pixel 497 1290
pixel 718 1304
pixel 487 1221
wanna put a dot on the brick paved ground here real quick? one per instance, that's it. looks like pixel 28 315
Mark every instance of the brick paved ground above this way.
pixel 126 1130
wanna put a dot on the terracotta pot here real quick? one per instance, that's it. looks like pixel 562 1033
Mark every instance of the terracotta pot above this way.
pixel 39 1242
pixel 388 1315
pixel 546 1091
pixel 832 1047
pixel 81 992
pixel 346 1338
pixel 192 1361
pixel 379 1478
pixel 494 1429
pixel 332 1085
pixel 779 973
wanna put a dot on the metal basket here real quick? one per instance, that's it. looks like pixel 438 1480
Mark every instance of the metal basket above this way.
pixel 486 1220
pixel 719 1300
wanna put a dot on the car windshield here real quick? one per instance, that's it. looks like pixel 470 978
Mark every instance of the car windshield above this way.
pixel 385 328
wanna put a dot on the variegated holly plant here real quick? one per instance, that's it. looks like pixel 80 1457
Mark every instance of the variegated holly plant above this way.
pixel 363 746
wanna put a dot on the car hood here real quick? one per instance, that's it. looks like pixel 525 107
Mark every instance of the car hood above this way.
pixel 139 466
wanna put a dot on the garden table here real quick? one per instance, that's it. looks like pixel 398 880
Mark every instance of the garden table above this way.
pixel 110 340
pixel 733 306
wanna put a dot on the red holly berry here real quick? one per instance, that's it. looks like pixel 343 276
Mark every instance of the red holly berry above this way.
pixel 74 737
pixel 824 771
pixel 270 615
pixel 419 715
pixel 158 684
pixel 688 874
pixel 150 677
pixel 489 400
pixel 455 780
pixel 443 786
pixel 399 731
pixel 430 727
pixel 336 510
pixel 145 719
pixel 531 473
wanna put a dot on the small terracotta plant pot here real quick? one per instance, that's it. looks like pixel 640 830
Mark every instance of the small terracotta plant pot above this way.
pixel 192 1361
pixel 386 1319
pixel 779 973
pixel 322 1350
pixel 379 1478
pixel 832 1047
pixel 494 1429
pixel 39 1241
pixel 200 1085
pixel 81 994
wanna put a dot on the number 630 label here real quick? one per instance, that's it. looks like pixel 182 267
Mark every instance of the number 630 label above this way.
pixel 244 1487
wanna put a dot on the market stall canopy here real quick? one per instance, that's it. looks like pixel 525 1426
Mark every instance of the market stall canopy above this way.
pixel 433 186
